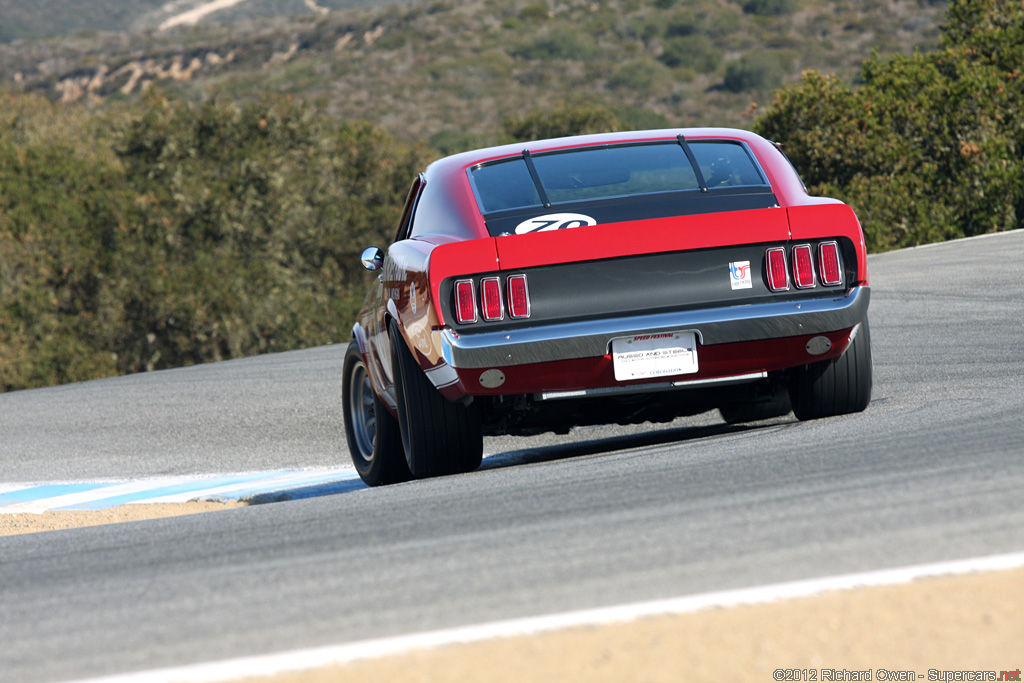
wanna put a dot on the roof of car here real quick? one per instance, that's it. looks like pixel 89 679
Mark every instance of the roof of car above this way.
pixel 464 159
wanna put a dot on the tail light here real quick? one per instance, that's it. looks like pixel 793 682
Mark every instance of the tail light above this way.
pixel 465 302
pixel 778 276
pixel 518 297
pixel 492 303
pixel 803 266
pixel 490 299
pixel 829 264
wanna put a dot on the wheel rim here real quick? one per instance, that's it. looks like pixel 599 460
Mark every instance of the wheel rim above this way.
pixel 362 412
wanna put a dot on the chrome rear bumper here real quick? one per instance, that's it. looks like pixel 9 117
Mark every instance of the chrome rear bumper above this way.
pixel 591 338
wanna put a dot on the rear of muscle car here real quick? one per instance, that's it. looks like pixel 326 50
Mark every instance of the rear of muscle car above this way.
pixel 645 280
pixel 619 278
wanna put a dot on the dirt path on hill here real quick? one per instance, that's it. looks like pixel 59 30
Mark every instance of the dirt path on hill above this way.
pixel 192 17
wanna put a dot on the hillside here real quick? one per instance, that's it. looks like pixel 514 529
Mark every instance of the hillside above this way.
pixel 58 18
pixel 451 72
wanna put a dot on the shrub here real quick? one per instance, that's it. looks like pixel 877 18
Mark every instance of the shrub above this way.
pixel 556 44
pixel 706 17
pixel 61 207
pixel 760 70
pixel 536 11
pixel 769 8
pixel 642 75
pixel 696 52
pixel 562 121
pixel 450 141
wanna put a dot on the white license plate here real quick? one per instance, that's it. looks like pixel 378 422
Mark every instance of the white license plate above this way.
pixel 644 356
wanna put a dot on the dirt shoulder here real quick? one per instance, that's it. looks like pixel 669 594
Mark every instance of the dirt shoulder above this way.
pixel 30 523
pixel 917 631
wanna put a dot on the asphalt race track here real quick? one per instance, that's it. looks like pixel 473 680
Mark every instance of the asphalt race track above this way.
pixel 932 471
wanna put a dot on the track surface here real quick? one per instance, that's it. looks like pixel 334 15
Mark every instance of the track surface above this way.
pixel 932 471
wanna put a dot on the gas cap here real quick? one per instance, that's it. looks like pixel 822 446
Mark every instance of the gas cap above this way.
pixel 819 345
pixel 492 379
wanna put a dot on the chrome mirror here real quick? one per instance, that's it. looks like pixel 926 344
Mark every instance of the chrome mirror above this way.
pixel 373 258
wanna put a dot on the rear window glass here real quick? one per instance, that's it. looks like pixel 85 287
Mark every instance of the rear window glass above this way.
pixel 505 185
pixel 616 171
pixel 726 165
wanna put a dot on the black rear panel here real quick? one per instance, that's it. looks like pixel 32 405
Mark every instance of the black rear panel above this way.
pixel 650 283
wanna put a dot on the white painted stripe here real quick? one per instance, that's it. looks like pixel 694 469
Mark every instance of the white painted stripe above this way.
pixel 8 488
pixel 196 487
pixel 264 485
pixel 99 493
pixel 303 660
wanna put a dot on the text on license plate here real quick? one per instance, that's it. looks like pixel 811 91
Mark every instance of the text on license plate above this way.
pixel 644 356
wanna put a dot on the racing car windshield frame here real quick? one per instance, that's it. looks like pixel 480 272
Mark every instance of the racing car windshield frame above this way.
pixel 603 172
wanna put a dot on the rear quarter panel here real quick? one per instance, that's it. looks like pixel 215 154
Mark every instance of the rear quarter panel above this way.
pixel 830 218
pixel 401 294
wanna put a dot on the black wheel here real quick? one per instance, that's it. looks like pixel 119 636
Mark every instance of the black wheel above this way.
pixel 752 411
pixel 373 435
pixel 439 437
pixel 835 387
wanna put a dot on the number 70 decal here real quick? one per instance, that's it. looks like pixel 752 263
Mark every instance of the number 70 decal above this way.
pixel 554 221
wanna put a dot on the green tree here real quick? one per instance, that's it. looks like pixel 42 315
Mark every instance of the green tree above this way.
pixel 928 147
pixel 166 233
pixel 61 201
pixel 247 227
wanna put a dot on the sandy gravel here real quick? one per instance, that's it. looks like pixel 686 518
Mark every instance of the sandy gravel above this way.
pixel 965 623
pixel 29 523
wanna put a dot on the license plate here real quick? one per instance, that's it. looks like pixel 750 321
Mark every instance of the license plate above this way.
pixel 644 356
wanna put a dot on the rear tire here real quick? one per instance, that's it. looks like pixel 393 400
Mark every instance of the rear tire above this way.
pixel 836 387
pixel 374 441
pixel 439 437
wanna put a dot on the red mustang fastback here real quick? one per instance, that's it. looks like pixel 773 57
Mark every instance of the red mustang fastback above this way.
pixel 616 278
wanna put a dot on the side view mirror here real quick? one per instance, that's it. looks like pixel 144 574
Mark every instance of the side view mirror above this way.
pixel 373 258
